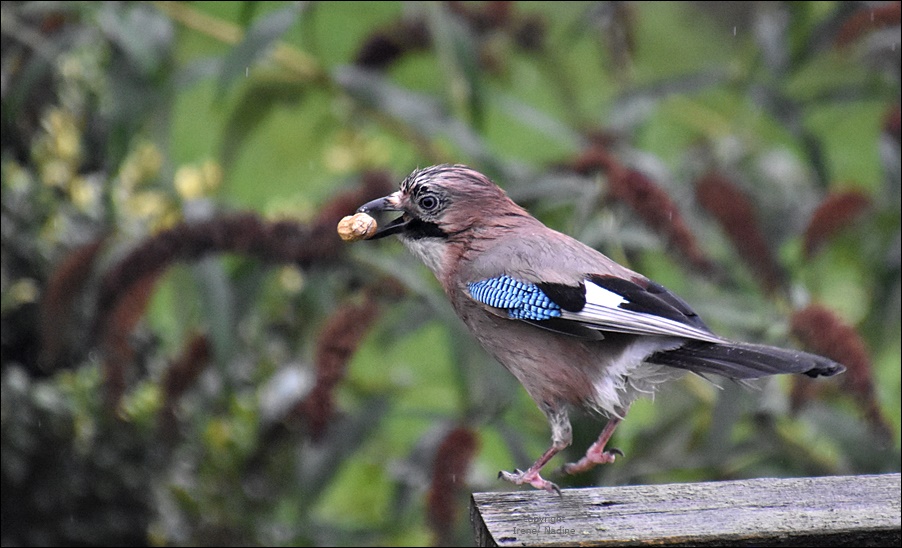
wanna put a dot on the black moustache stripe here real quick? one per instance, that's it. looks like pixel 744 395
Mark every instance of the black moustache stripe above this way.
pixel 417 229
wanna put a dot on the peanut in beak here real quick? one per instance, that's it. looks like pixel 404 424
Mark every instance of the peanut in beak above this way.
pixel 359 226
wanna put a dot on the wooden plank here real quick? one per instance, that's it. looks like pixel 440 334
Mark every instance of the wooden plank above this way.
pixel 824 511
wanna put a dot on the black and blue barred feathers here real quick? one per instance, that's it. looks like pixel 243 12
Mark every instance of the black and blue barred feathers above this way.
pixel 522 300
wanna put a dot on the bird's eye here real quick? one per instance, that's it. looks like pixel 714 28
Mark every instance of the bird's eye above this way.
pixel 428 202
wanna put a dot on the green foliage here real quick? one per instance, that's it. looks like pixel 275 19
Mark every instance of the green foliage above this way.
pixel 247 389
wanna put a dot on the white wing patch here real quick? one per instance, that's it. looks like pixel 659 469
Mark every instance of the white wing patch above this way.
pixel 600 296
pixel 602 311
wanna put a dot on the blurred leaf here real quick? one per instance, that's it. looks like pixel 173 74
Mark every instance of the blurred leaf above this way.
pixel 418 111
pixel 634 106
pixel 197 71
pixel 218 307
pixel 456 49
pixel 544 123
pixel 143 34
pixel 321 461
pixel 248 11
pixel 257 101
pixel 258 41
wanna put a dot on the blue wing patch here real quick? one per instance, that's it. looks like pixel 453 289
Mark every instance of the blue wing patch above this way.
pixel 522 300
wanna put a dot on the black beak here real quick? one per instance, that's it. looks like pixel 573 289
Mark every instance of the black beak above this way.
pixel 380 205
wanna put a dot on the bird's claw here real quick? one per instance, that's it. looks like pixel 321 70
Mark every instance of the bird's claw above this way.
pixel 590 460
pixel 518 477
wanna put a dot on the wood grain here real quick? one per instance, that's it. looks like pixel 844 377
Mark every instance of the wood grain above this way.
pixel 823 511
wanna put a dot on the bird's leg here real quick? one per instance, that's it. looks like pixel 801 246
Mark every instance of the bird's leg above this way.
pixel 561 436
pixel 532 476
pixel 597 454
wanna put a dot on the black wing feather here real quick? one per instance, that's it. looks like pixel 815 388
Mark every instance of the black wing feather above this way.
pixel 650 298
pixel 569 297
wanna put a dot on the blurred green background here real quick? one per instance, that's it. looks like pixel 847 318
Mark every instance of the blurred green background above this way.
pixel 192 357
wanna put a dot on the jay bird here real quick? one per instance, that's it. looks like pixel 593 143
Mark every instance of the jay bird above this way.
pixel 574 327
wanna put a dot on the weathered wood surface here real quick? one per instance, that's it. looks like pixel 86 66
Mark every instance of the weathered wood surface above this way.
pixel 824 511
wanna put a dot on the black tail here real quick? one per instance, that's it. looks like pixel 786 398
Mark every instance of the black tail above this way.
pixel 745 361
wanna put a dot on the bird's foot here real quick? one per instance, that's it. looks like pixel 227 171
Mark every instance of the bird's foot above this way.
pixel 592 458
pixel 531 477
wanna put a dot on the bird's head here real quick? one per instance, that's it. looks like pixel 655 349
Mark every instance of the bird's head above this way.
pixel 441 201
